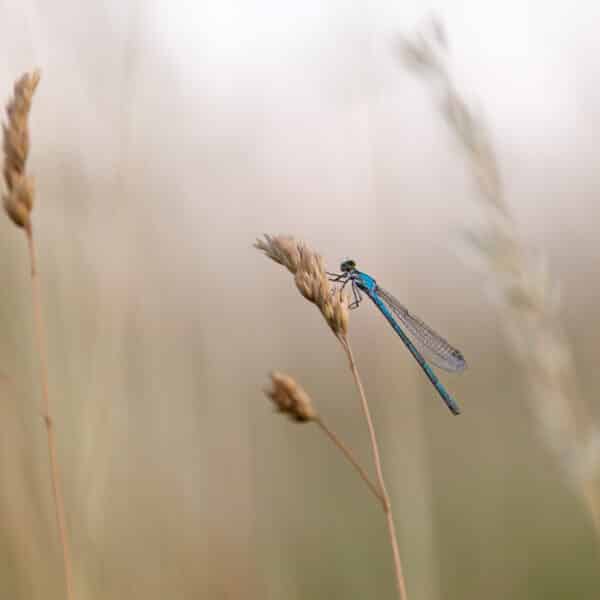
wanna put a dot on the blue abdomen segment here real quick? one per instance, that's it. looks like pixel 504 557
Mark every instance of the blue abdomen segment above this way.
pixel 367 284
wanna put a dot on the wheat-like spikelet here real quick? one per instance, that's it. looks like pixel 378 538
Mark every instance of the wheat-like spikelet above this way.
pixel 290 399
pixel 310 276
pixel 18 201
pixel 283 249
pixel 520 283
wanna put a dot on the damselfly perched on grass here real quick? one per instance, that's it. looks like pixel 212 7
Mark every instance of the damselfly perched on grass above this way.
pixel 424 340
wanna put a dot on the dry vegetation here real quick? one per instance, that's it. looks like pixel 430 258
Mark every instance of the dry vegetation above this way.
pixel 519 281
pixel 18 203
pixel 523 290
pixel 312 282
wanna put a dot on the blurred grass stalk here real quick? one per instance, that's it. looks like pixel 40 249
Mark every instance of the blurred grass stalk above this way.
pixel 18 204
pixel 290 398
pixel 312 282
pixel 519 281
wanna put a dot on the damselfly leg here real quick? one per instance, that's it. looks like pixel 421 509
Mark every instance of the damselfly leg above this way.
pixel 335 277
pixel 357 296
pixel 347 278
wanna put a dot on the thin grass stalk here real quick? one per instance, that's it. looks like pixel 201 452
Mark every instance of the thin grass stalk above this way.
pixel 347 452
pixel 18 203
pixel 40 336
pixel 291 399
pixel 387 506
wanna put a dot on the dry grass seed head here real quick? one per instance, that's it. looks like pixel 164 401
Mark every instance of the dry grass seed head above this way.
pixel 310 276
pixel 290 399
pixel 18 202
pixel 521 284
pixel 283 249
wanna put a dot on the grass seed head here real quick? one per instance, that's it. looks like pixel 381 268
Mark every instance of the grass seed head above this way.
pixel 18 201
pixel 310 277
pixel 283 249
pixel 289 398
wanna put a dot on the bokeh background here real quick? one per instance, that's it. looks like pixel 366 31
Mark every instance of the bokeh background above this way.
pixel 167 135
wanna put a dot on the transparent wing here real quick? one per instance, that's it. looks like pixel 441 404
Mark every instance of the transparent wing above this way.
pixel 433 346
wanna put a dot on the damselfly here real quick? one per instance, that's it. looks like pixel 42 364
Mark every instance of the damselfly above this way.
pixel 424 340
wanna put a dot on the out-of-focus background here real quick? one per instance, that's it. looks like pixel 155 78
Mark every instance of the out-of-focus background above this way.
pixel 166 136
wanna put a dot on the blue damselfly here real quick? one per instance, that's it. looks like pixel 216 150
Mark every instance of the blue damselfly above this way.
pixel 424 342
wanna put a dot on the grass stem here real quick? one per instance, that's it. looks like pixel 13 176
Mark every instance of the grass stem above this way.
pixel 387 507
pixel 40 335
pixel 351 459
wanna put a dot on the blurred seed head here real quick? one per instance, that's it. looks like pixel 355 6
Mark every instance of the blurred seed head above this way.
pixel 18 202
pixel 310 276
pixel 517 277
pixel 289 398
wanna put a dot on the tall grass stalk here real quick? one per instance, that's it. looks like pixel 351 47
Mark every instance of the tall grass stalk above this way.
pixel 291 399
pixel 18 204
pixel 310 276
pixel 387 506
pixel 518 277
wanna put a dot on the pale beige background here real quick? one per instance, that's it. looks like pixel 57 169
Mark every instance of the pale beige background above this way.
pixel 166 137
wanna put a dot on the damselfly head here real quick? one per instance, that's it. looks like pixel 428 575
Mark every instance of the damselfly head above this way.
pixel 347 266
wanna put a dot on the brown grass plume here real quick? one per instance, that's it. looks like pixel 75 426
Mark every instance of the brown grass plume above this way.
pixel 310 276
pixel 18 201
